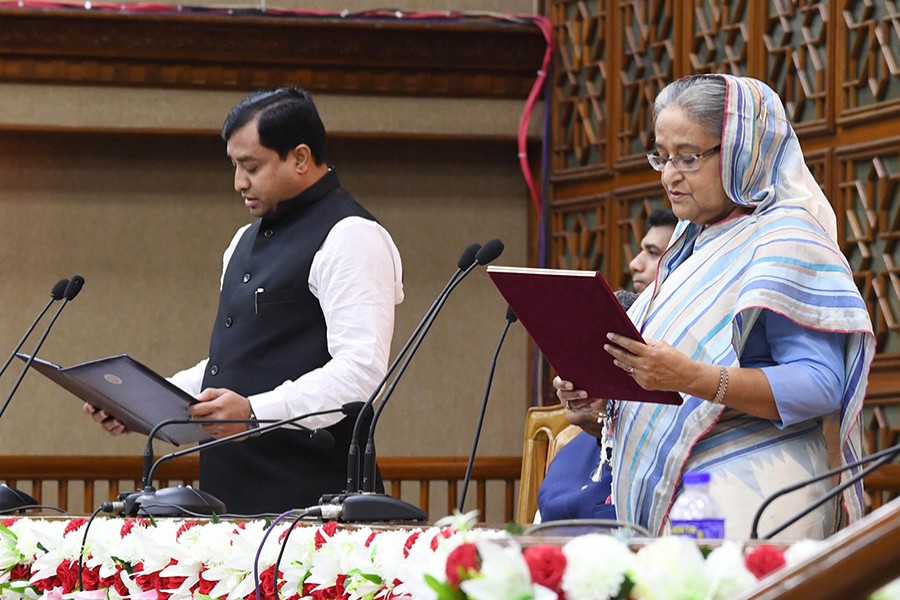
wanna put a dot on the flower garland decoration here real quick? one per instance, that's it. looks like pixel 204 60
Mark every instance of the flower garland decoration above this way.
pixel 170 559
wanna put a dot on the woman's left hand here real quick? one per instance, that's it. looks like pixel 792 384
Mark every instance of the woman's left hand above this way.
pixel 655 365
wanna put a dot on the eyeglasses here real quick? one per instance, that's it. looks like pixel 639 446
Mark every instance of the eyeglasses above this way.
pixel 685 163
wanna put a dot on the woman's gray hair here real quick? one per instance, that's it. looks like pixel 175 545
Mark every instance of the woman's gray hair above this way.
pixel 700 96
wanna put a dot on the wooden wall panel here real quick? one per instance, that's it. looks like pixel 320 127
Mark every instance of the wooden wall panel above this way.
pixel 836 65
pixel 447 58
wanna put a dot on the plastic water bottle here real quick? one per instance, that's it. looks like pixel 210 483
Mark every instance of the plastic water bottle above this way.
pixel 695 514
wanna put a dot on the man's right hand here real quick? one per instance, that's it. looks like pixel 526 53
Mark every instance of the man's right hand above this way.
pixel 110 424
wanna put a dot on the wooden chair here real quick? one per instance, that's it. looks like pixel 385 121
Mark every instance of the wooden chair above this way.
pixel 546 432
pixel 883 484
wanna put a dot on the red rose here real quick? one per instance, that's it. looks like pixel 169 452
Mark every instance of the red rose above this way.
pixel 329 528
pixel 238 527
pixel 9 522
pixel 409 542
pixel 763 560
pixel 184 527
pixel 131 524
pixel 47 584
pixel 266 584
pixel 74 525
pixel 546 565
pixel 90 578
pixel 371 538
pixel 67 574
pixel 115 582
pixel 20 573
pixel 169 583
pixel 147 581
pixel 339 586
pixel 462 564
pixel 324 594
pixel 206 586
pixel 443 534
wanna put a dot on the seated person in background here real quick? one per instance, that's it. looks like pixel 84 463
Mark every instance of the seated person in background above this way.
pixel 578 482
pixel 657 233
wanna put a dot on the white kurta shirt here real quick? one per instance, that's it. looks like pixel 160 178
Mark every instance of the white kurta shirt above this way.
pixel 357 277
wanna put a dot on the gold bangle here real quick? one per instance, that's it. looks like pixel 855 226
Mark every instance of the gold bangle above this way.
pixel 723 386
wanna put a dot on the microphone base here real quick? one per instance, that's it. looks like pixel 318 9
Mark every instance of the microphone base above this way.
pixel 12 499
pixel 180 501
pixel 374 508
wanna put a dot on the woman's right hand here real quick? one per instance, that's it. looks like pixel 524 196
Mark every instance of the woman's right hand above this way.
pixel 581 410
pixel 566 391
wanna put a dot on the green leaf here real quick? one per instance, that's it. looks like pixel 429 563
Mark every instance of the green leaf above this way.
pixel 625 590
pixel 515 528
pixel 443 590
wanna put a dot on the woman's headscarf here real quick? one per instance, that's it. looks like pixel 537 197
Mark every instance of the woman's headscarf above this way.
pixel 761 156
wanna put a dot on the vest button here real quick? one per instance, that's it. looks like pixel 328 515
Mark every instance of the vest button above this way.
pixel 229 322
pixel 213 370
pixel 268 233
pixel 246 277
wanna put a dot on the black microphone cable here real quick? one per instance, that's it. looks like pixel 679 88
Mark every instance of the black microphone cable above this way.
pixel 87 527
pixel 877 458
pixel 133 503
pixel 510 319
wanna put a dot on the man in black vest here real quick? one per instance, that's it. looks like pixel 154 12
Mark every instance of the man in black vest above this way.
pixel 305 317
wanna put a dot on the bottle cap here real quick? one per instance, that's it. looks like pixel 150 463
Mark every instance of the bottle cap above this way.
pixel 695 478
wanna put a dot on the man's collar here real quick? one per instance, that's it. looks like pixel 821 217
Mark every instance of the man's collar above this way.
pixel 325 184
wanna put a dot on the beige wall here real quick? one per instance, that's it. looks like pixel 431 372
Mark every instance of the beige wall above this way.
pixel 145 219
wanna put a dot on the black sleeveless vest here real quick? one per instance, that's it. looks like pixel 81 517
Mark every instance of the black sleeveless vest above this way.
pixel 270 329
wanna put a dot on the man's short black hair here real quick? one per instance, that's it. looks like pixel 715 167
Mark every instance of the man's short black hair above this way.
pixel 661 217
pixel 286 118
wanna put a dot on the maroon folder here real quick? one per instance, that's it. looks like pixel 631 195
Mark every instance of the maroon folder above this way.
pixel 568 314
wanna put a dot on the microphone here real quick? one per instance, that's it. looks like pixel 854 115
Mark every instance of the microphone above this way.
pixel 510 319
pixel 185 500
pixel 489 252
pixel 73 286
pixel 65 290
pixel 877 458
pixel 465 260
pixel 56 293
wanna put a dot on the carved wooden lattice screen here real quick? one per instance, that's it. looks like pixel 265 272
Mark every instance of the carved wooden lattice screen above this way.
pixel 835 64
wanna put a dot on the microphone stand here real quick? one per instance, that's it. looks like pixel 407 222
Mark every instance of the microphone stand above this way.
pixel 368 506
pixel 368 481
pixel 510 319
pixel 467 258
pixel 11 498
pixel 877 458
pixel 72 288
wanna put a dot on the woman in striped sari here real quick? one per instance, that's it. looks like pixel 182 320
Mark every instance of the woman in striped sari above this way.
pixel 754 318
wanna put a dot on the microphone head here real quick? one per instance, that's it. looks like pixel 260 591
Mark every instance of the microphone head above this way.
pixel 322 438
pixel 489 252
pixel 352 408
pixel 468 255
pixel 59 290
pixel 74 286
pixel 510 315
